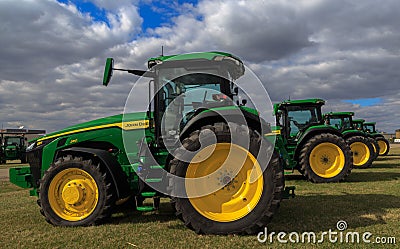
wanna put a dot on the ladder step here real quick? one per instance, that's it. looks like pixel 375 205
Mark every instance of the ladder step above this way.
pixel 156 167
pixel 145 208
pixel 153 180
pixel 148 194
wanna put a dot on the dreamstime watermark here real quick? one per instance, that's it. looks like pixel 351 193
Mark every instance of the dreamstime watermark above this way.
pixel 330 236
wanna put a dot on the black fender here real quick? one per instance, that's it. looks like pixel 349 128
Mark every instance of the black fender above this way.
pixel 353 133
pixel 313 131
pixel 209 116
pixel 114 169
pixel 376 135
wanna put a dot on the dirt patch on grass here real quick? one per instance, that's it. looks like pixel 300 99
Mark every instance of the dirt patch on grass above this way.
pixel 3 174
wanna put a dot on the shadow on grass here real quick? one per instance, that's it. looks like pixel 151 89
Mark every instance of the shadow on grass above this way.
pixel 318 213
pixel 358 176
pixel 128 214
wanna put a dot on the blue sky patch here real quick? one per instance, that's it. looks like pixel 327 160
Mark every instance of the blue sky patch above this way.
pixel 364 102
pixel 155 13
pixel 86 7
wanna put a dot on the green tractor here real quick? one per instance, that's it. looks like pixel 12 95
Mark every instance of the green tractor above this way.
pixel 14 149
pixel 362 147
pixel 369 128
pixel 317 151
pixel 179 148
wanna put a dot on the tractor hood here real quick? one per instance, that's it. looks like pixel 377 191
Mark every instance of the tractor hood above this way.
pixel 124 121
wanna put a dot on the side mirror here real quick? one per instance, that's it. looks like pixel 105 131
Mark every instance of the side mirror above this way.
pixel 108 71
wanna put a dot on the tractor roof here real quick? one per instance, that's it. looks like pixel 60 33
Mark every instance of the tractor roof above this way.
pixel 298 102
pixel 339 114
pixel 235 65
pixel 211 56
pixel 369 123
pixel 303 101
pixel 358 120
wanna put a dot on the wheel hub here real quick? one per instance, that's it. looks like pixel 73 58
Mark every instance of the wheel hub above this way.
pixel 73 193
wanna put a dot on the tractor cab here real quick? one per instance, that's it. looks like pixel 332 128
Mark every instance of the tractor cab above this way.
pixel 359 124
pixel 340 120
pixel 370 127
pixel 183 86
pixel 296 116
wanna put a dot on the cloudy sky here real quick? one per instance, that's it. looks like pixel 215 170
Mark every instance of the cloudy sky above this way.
pixel 52 53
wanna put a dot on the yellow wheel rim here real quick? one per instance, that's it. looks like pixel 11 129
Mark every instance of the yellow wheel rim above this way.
pixel 382 147
pixel 361 153
pixel 373 145
pixel 327 160
pixel 73 194
pixel 237 195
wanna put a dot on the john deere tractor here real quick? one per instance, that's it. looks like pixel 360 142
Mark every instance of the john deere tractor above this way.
pixel 14 149
pixel 316 150
pixel 369 128
pixel 194 145
pixel 362 147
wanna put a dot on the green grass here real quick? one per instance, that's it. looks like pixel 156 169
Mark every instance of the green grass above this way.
pixel 368 201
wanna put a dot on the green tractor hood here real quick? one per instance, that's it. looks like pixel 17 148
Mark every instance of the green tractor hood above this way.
pixel 123 121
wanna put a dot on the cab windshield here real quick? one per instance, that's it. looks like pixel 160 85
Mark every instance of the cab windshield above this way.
pixel 301 117
pixel 182 92
pixel 342 123
pixel 369 128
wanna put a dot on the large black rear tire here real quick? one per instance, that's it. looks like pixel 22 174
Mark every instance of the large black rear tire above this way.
pixel 375 145
pixel 384 146
pixel 362 151
pixel 325 158
pixel 75 192
pixel 200 215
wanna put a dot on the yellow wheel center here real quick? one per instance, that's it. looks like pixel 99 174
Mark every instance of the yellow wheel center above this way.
pixel 73 194
pixel 382 147
pixel 236 175
pixel 361 153
pixel 327 160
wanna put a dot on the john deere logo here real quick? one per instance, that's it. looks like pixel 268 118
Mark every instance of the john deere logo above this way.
pixel 139 124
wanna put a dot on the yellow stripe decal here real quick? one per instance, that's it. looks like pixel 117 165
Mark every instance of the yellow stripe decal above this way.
pixel 129 125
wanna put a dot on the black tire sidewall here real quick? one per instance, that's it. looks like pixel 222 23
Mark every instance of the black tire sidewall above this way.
pixel 202 224
pixel 365 141
pixel 55 169
pixel 315 141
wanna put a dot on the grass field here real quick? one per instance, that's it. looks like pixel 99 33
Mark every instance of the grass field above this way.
pixel 369 201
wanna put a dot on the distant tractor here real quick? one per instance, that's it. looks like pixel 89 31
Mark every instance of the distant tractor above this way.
pixel 14 143
pixel 369 127
pixel 82 172
pixel 305 143
pixel 362 147
pixel 14 149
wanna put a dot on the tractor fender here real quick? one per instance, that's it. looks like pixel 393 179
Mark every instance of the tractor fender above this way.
pixel 210 116
pixel 114 169
pixel 346 135
pixel 312 132
pixel 377 135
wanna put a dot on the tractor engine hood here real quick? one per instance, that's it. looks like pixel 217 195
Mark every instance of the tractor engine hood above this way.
pixel 123 121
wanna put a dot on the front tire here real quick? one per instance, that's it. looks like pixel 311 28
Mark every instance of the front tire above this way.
pixel 74 192
pixel 325 158
pixel 240 205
